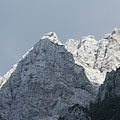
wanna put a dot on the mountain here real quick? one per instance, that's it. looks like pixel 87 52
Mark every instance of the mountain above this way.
pixel 7 75
pixel 55 81
pixel 76 112
pixel 107 105
pixel 111 86
pixel 45 83
pixel 1 80
pixel 84 52
pixel 96 57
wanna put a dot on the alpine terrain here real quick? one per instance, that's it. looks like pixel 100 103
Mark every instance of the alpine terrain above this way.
pixel 55 81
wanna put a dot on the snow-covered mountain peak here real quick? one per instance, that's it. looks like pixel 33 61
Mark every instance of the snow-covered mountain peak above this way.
pixel 114 35
pixel 89 53
pixel 45 83
pixel 89 37
pixel 97 57
pixel 116 31
pixel 52 37
pixel 88 40
pixel 52 77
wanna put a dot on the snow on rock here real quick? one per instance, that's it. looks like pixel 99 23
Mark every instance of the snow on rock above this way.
pixel 52 37
pixel 84 52
pixel 7 75
pixel 44 84
pixel 97 57
pixel 109 53
pixel 1 80
pixel 52 77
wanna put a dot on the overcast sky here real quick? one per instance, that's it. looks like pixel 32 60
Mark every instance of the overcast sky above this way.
pixel 23 22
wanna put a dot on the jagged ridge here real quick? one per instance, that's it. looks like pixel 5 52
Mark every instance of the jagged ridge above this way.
pixel 97 57
pixel 49 79
pixel 45 83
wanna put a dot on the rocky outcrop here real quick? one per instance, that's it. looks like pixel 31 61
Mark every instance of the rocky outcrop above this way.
pixel 45 83
pixel 6 76
pixel 111 86
pixel 54 81
pixel 97 57
pixel 76 112
pixel 107 105
pixel 110 59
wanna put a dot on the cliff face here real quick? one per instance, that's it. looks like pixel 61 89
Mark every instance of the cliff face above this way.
pixel 7 75
pixel 107 105
pixel 111 86
pixel 45 83
pixel 76 112
pixel 57 82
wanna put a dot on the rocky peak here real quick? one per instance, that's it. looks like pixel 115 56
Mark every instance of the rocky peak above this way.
pixel 88 38
pixel 85 54
pixel 107 105
pixel 108 53
pixel 52 37
pixel 52 77
pixel 44 84
pixel 116 31
pixel 98 57
pixel 114 36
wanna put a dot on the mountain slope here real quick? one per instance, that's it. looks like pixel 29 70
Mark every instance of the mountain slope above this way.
pixel 76 112
pixel 97 57
pixel 54 81
pixel 7 75
pixel 45 83
pixel 107 105
pixel 1 80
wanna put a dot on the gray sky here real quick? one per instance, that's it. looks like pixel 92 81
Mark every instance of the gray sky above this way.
pixel 23 22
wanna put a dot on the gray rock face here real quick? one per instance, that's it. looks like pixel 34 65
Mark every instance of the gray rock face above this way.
pixel 45 83
pixel 76 112
pixel 107 104
pixel 6 76
pixel 52 77
pixel 111 86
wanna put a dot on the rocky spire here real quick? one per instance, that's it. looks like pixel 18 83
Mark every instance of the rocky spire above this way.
pixel 116 31
pixel 45 83
pixel 52 37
